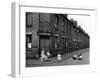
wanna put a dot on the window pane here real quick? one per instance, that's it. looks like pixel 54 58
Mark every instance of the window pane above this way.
pixel 29 41
pixel 56 41
pixel 63 24
pixel 56 21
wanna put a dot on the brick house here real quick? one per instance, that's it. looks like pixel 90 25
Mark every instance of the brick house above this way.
pixel 53 32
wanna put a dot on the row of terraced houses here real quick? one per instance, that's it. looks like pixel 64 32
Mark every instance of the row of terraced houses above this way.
pixel 53 32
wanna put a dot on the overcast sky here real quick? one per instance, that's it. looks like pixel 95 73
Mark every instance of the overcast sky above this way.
pixel 83 21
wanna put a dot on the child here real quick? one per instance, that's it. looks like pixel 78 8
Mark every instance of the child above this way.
pixel 59 58
pixel 48 53
pixel 43 56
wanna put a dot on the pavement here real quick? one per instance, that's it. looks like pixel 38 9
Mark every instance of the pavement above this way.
pixel 66 60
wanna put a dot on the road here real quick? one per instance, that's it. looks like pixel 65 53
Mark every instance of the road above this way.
pixel 66 60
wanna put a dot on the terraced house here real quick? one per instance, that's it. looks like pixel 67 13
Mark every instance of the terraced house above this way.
pixel 53 32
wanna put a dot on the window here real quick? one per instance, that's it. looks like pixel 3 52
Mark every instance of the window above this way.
pixel 28 19
pixel 56 21
pixel 66 41
pixel 63 40
pixel 78 34
pixel 63 24
pixel 75 33
pixel 28 40
pixel 70 30
pixel 56 41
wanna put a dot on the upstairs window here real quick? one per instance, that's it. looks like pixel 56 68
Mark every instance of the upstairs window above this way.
pixel 63 40
pixel 56 21
pixel 28 41
pixel 28 19
pixel 63 24
pixel 56 41
pixel 66 41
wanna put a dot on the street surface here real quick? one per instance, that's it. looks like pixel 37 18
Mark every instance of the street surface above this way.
pixel 66 60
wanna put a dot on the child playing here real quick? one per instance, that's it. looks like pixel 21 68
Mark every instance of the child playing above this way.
pixel 59 58
pixel 43 56
pixel 48 53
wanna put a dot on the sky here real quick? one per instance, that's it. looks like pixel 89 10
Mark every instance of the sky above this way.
pixel 83 21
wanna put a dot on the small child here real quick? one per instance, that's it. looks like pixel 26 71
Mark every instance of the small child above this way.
pixel 43 56
pixel 48 53
pixel 59 58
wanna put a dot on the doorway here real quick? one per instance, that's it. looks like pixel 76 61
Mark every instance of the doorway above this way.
pixel 44 42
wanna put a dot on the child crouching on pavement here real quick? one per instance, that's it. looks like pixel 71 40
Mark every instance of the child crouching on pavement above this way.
pixel 48 53
pixel 59 58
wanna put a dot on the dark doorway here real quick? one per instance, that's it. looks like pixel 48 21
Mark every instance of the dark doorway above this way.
pixel 44 42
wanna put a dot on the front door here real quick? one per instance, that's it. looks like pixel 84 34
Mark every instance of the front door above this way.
pixel 44 42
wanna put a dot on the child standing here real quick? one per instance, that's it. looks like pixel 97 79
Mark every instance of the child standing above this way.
pixel 59 58
pixel 43 56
